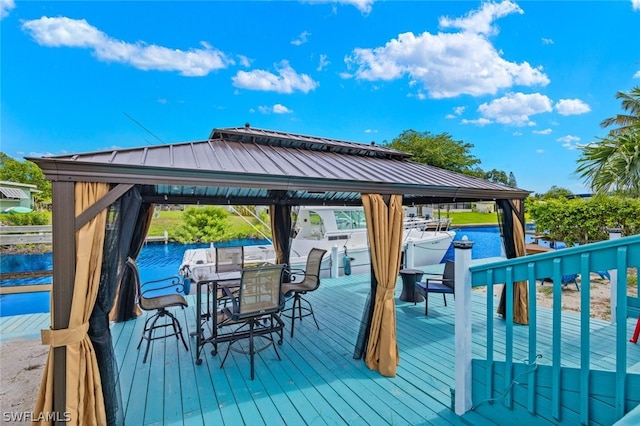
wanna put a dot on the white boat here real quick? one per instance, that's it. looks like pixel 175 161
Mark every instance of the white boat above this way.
pixel 345 228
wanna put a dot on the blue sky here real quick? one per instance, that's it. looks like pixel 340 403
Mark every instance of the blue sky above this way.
pixel 526 83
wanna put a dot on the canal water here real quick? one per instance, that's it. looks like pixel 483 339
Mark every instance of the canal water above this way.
pixel 157 260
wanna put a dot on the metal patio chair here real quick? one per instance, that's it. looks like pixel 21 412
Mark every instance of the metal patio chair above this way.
pixel 255 312
pixel 158 298
pixel 295 290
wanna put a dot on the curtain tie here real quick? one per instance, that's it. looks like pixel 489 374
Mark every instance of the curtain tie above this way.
pixel 389 293
pixel 64 336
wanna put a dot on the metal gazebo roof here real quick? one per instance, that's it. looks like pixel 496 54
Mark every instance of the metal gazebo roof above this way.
pixel 245 165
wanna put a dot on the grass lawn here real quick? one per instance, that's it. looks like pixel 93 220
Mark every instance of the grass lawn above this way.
pixel 465 218
pixel 166 220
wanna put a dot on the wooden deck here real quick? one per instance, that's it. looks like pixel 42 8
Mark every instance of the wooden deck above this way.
pixel 317 381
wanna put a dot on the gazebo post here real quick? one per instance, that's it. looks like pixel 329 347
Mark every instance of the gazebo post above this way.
pixel 64 267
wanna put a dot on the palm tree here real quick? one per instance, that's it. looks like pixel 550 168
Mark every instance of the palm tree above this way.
pixel 630 103
pixel 613 163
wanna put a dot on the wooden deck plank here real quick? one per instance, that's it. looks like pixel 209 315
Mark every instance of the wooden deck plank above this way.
pixel 318 381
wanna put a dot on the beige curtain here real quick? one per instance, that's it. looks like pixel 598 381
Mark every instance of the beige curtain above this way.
pixel 384 226
pixel 520 291
pixel 84 401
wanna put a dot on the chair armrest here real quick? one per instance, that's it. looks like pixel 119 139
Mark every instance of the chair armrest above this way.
pixel 228 294
pixel 175 281
pixel 295 272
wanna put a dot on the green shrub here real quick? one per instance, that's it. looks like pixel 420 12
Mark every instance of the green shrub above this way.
pixel 201 224
pixel 580 221
pixel 25 219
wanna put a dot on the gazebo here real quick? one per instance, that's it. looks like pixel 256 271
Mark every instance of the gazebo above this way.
pixel 102 206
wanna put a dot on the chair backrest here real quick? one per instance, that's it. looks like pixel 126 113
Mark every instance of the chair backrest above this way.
pixel 229 259
pixel 448 277
pixel 312 270
pixel 131 270
pixel 259 291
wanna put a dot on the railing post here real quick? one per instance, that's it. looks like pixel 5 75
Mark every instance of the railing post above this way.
pixel 614 234
pixel 463 400
pixel 334 261
pixel 411 253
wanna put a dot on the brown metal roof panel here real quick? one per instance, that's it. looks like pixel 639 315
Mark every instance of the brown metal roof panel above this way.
pixel 272 137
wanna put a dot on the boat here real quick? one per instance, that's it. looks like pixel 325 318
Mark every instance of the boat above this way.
pixel 343 228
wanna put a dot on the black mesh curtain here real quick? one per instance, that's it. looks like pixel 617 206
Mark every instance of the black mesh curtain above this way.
pixel 282 225
pixel 367 317
pixel 126 305
pixel 121 220
pixel 505 220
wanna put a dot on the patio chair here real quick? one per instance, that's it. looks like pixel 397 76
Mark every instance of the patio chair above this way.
pixel 310 281
pixel 565 280
pixel 159 298
pixel 229 259
pixel 255 311
pixel 443 285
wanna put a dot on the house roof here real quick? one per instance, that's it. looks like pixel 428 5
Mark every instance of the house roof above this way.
pixel 244 165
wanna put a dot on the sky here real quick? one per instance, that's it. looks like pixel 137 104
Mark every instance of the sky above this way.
pixel 526 83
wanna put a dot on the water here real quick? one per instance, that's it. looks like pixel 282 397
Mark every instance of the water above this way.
pixel 486 242
pixel 158 261
pixel 155 261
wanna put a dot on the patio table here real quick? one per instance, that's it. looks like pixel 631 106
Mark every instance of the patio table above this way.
pixel 206 277
pixel 409 279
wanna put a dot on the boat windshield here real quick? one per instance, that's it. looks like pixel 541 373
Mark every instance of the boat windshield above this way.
pixel 350 219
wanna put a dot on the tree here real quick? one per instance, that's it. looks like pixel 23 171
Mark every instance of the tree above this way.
pixel 494 175
pixel 556 192
pixel 512 180
pixel 613 162
pixel 25 172
pixel 437 150
pixel 631 103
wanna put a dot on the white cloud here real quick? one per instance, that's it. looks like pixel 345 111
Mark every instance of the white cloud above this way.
pixel 363 6
pixel 371 131
pixel 539 151
pixel 448 64
pixel 635 4
pixel 515 108
pixel 478 122
pixel 481 21
pixel 637 74
pixel 281 109
pixel 244 61
pixel 571 107
pixel 66 32
pixel 547 41
pixel 5 7
pixel 570 142
pixel 459 110
pixel 286 81
pixel 323 62
pixel 542 132
pixel 302 38
pixel 275 109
